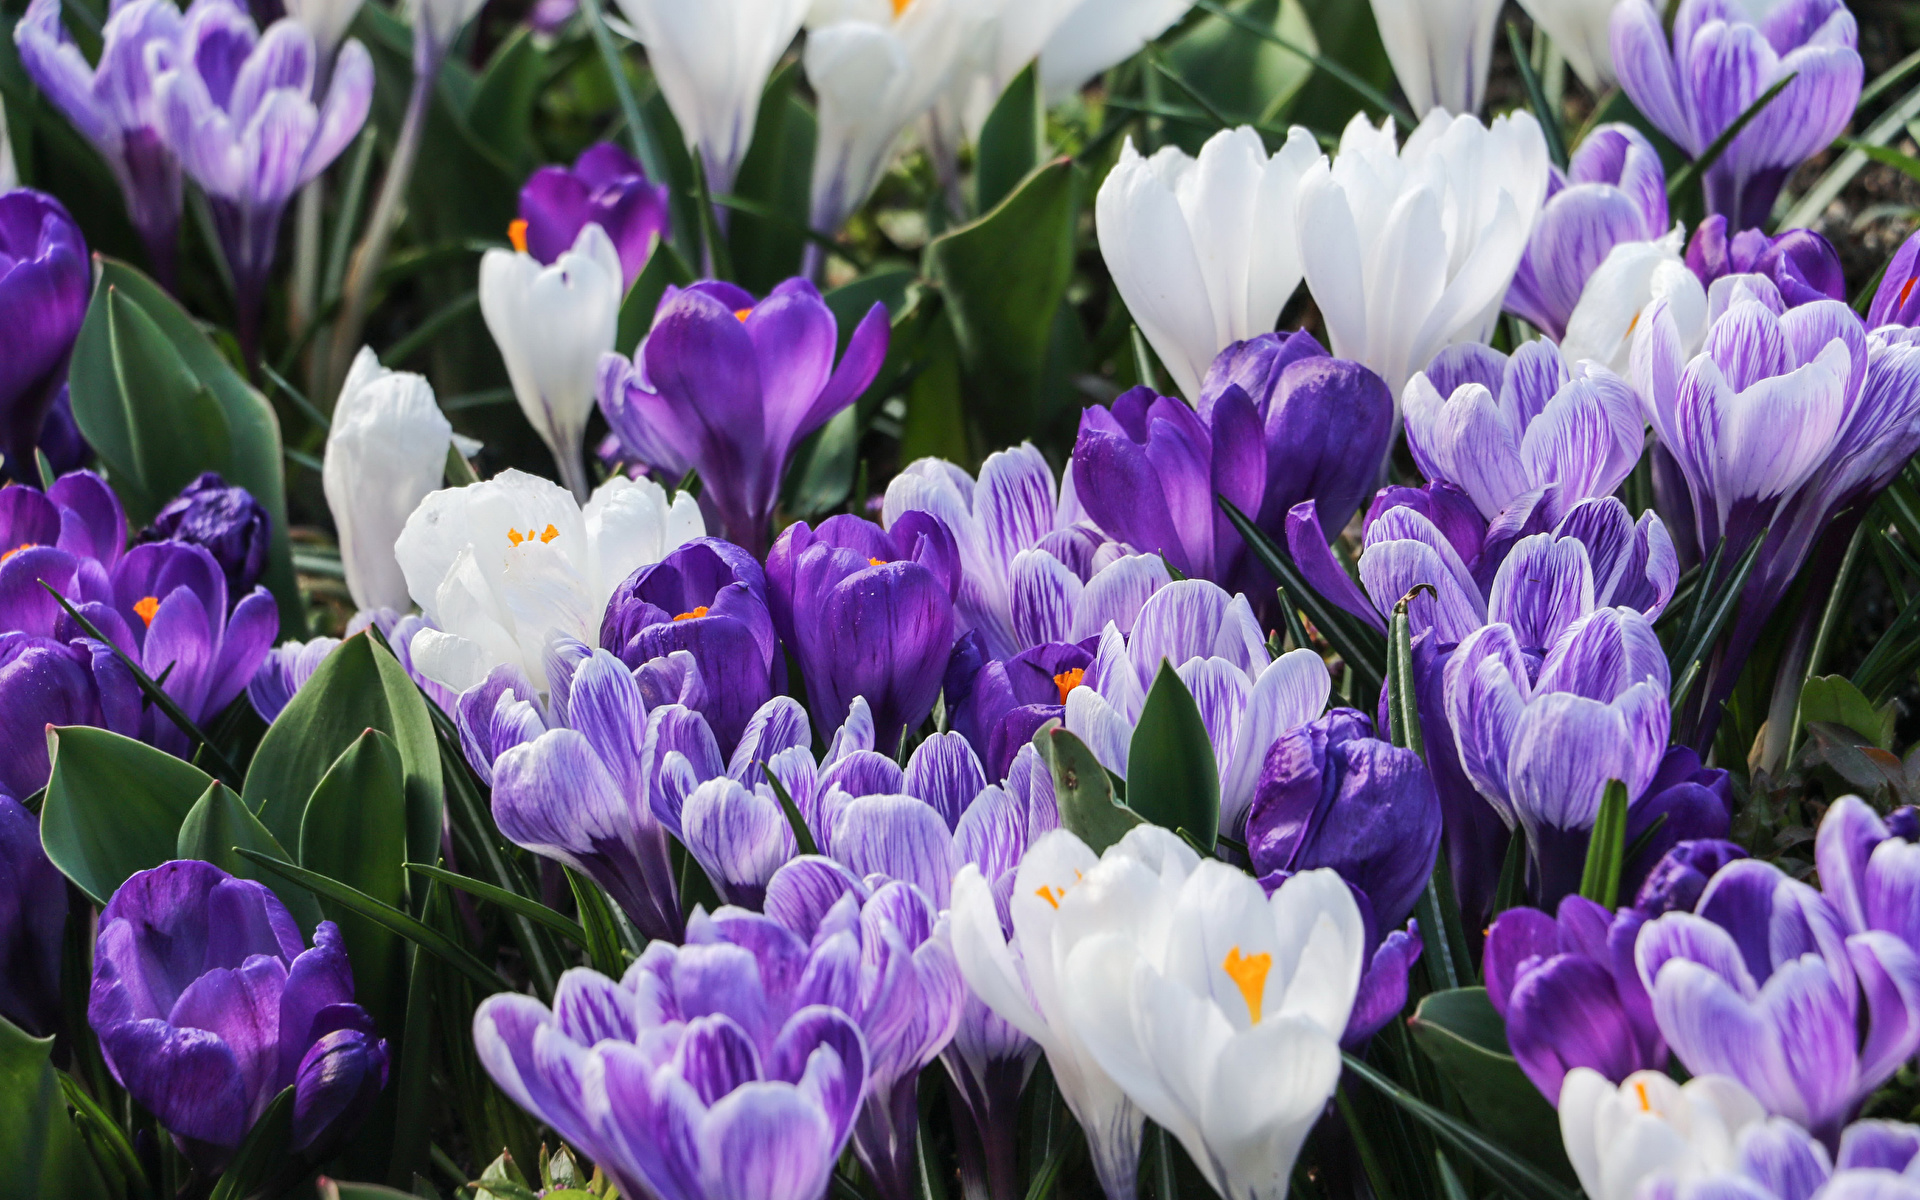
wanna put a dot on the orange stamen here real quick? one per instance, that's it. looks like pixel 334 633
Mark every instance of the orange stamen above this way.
pixel 741 314
pixel 876 562
pixel 1640 1089
pixel 147 606
pixel 1906 291
pixel 17 549
pixel 513 536
pixel 1066 681
pixel 900 6
pixel 517 234
pixel 699 611
pixel 1050 894
pixel 1249 974
pixel 548 534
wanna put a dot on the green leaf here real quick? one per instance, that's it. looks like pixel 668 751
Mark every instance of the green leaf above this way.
pixel 42 1153
pixel 603 935
pixel 1003 276
pixel 776 175
pixel 359 686
pixel 1834 699
pixel 1250 80
pixel 265 1157
pixel 501 112
pixel 184 409
pixel 334 1189
pixel 1546 116
pixel 1088 809
pixel 220 821
pixel 1466 1039
pixel 1173 779
pixel 1012 140
pixel 1606 848
pixel 802 836
pixel 114 806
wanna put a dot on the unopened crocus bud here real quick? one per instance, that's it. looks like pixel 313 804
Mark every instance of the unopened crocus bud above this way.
pixel 44 283
pixel 226 521
pixel 604 187
pixel 1676 881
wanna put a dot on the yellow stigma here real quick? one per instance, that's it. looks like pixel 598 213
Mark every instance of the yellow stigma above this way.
pixel 515 537
pixel 517 234
pixel 1050 894
pixel 1249 974
pixel 17 549
pixel 1906 292
pixel 1640 1090
pixel 876 562
pixel 147 606
pixel 698 611
pixel 741 314
pixel 1066 681
pixel 900 6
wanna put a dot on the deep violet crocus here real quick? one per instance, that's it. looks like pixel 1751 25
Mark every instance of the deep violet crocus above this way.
pixel 44 282
pixel 1613 191
pixel 718 1069
pixel 33 920
pixel 227 521
pixel 604 187
pixel 728 386
pixel 113 105
pixel 867 612
pixel 1717 64
pixel 208 1003
pixel 239 108
pixel 1801 263
pixel 708 598
pixel 1896 301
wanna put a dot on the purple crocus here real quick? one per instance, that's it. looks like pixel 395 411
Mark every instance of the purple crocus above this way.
pixel 867 612
pixel 44 281
pixel 1569 991
pixel 208 1003
pixel 1675 883
pixel 1870 868
pixel 1801 263
pixel 729 386
pixel 710 1071
pixel 1717 64
pixel 1778 1160
pixel 33 919
pixel 288 666
pixel 227 521
pixel 1895 301
pixel 1333 795
pixel 604 187
pixel 113 106
pixel 708 598
pixel 238 108
pixel 997 706
pixel 46 681
pixel 1613 191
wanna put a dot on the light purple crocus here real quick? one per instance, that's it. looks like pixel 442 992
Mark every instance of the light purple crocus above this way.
pixel 1870 868
pixel 867 612
pixel 288 666
pixel 45 279
pixel 1777 1160
pixel 1801 263
pixel 113 105
pixel 1895 301
pixel 604 187
pixel 708 1072
pixel 238 108
pixel 1717 64
pixel 208 1003
pixel 1613 191
pixel 729 386
pixel 33 921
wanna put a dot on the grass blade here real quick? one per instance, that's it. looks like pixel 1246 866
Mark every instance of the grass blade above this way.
pixel 1606 848
pixel 1359 647
pixel 1699 166
pixel 1537 99
pixel 513 902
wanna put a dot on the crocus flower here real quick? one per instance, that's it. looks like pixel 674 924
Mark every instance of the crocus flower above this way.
pixel 552 323
pixel 1802 264
pixel 1869 867
pixel 73 534
pixel 501 567
pixel 1097 34
pixel 238 108
pixel 33 921
pixel 208 1003
pixel 1505 427
pixel 1764 982
pixel 867 612
pixel 1019 540
pixel 1895 301
pixel 1620 294
pixel 1440 52
pixel 1571 996
pixel 998 704
pixel 226 521
pixel 386 449
pixel 326 20
pixel 689 1083
pixel 604 187
pixel 1579 29
pixel 1203 250
pixel 1777 1160
pixel 1332 795
pixel 1221 1018
pixel 288 666
pixel 44 283
pixel 708 598
pixel 712 62
pixel 1410 249
pixel 729 386
pixel 46 681
pixel 1675 883
pixel 114 106
pixel 1613 191
pixel 1717 64
pixel 1620 1132
pixel 1246 699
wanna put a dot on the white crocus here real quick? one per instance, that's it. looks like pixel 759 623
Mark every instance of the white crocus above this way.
pixel 711 59
pixel 1216 1009
pixel 875 67
pixel 1440 50
pixel 1579 29
pixel 1649 1125
pixel 1022 977
pixel 505 566
pixel 386 449
pixel 1621 290
pixel 327 20
pixel 440 21
pixel 1098 34
pixel 1410 250
pixel 1204 250
pixel 552 324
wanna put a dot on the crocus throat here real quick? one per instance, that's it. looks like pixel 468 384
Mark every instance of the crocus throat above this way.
pixel 544 535
pixel 741 314
pixel 17 549
pixel 147 606
pixel 1066 681
pixel 517 234
pixel 1249 974
pixel 698 611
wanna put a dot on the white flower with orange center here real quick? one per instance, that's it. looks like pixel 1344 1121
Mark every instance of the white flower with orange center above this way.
pixel 505 566
pixel 1617 1137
